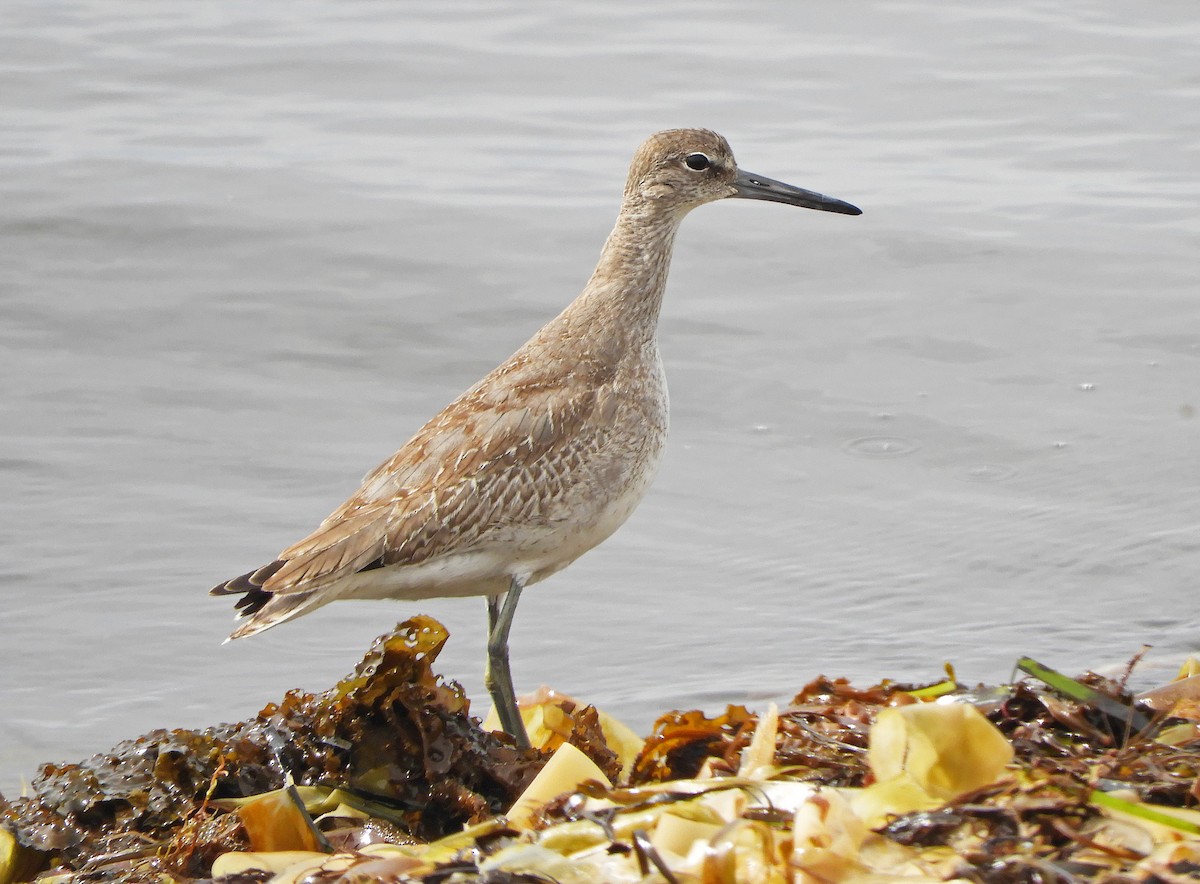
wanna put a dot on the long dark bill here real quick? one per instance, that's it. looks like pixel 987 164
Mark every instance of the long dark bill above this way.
pixel 748 186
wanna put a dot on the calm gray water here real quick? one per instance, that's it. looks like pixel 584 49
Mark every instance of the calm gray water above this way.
pixel 246 249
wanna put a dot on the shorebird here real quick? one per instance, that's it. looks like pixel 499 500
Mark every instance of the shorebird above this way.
pixel 544 457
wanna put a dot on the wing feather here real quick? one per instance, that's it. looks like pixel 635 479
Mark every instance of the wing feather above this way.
pixel 337 548
pixel 495 457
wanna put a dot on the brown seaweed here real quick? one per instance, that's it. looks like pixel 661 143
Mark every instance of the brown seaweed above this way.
pixel 388 767
pixel 392 732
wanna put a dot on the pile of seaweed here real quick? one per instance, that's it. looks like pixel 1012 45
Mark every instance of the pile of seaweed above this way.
pixel 392 730
pixel 386 777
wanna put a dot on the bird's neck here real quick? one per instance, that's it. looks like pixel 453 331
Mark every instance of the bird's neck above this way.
pixel 624 294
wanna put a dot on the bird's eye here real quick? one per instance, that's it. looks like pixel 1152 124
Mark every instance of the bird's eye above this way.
pixel 697 161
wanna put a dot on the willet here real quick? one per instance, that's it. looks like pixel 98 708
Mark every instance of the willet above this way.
pixel 543 458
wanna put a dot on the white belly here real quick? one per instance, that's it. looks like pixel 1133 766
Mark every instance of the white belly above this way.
pixel 531 552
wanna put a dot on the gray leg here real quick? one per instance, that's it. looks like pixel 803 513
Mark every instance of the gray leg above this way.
pixel 498 676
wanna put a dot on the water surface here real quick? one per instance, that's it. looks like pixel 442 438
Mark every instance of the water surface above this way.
pixel 247 250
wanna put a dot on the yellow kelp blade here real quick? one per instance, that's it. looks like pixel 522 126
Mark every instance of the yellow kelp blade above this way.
pixel 947 749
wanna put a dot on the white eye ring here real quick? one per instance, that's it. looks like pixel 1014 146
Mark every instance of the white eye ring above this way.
pixel 697 162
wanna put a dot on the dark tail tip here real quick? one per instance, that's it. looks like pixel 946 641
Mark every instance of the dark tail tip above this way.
pixel 249 586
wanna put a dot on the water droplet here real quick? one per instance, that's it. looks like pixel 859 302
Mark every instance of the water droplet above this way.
pixel 881 446
pixel 1087 388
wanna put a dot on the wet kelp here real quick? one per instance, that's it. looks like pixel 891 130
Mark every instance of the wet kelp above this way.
pixel 392 732
pixel 386 778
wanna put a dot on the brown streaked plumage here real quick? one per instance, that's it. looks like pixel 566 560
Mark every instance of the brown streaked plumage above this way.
pixel 545 456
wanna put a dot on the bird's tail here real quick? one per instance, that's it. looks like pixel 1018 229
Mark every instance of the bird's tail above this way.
pixel 263 608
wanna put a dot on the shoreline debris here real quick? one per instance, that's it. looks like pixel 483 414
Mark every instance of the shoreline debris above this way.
pixel 386 777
